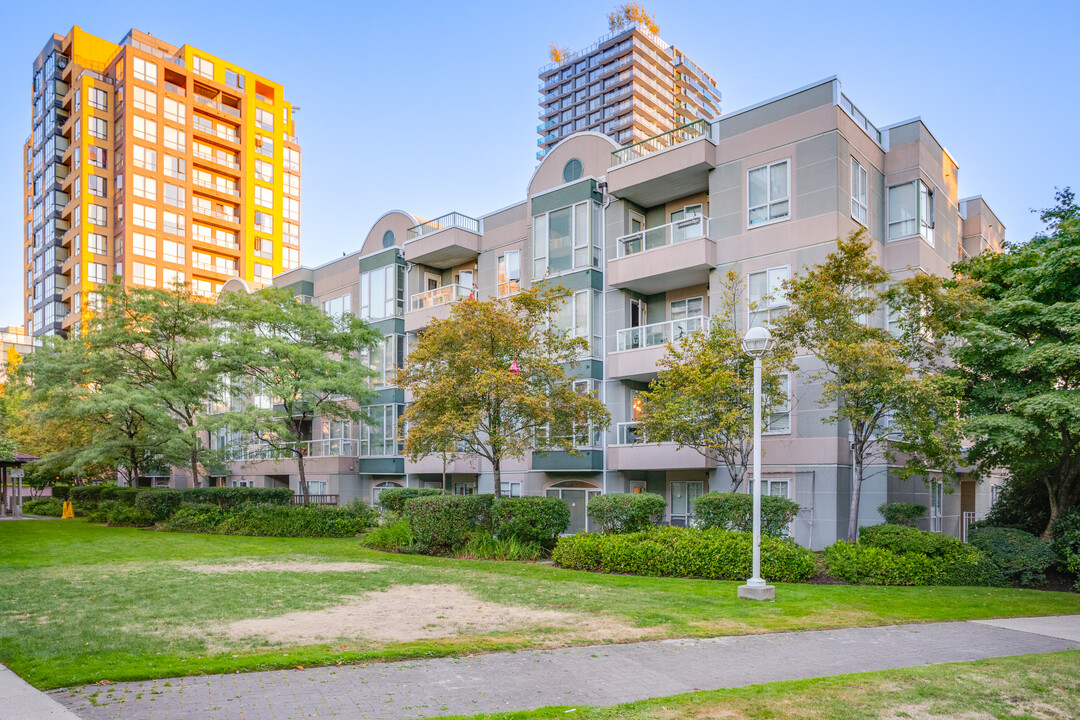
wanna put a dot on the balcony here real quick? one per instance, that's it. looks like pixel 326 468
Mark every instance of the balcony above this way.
pixel 664 167
pixel 442 243
pixel 220 107
pixel 632 451
pixel 676 255
pixel 640 349
pixel 431 304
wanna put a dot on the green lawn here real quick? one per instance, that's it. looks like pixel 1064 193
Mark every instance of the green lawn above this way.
pixel 82 603
pixel 1019 688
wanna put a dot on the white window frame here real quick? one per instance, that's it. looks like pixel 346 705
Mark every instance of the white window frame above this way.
pixel 503 273
pixel 924 213
pixel 770 201
pixel 937 503
pixel 775 304
pixel 860 201
pixel 769 414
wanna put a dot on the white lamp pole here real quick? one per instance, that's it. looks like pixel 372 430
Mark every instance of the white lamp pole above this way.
pixel 757 343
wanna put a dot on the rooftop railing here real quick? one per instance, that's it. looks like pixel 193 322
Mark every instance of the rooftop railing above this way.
pixel 570 57
pixel 657 334
pixel 453 219
pixel 689 228
pixel 847 106
pixel 128 40
pixel 439 296
pixel 683 134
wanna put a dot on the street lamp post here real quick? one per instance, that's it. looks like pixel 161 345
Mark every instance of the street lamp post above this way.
pixel 757 343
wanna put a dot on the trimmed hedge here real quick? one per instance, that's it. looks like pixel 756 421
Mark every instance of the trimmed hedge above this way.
pixel 627 512
pixel 60 492
pixel 530 519
pixel 711 553
pixel 394 499
pixel 201 518
pixel 735 511
pixel 273 520
pixel 442 523
pixel 902 513
pixel 900 539
pixel 118 514
pixel 46 507
pixel 234 497
pixel 159 504
pixel 1021 557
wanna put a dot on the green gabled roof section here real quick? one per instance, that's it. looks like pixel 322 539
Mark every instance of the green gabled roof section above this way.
pixel 566 196
pixel 382 258
pixel 302 287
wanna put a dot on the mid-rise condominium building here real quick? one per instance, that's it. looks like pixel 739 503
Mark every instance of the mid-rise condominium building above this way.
pixel 643 237
pixel 156 164
pixel 629 85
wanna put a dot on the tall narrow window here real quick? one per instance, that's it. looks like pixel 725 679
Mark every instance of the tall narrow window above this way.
pixel 769 193
pixel 767 300
pixel 858 192
pixel 509 272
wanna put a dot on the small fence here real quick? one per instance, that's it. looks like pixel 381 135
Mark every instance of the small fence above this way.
pixel 314 500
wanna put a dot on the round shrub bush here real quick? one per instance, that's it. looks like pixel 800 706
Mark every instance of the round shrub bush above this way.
pixel 711 553
pixel 1021 557
pixel 626 512
pixel 159 504
pixel 394 499
pixel 443 523
pixel 46 507
pixel 901 539
pixel 530 519
pixel 735 511
pixel 901 513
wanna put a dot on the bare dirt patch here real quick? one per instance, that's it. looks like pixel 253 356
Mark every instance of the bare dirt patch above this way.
pixel 285 566
pixel 406 613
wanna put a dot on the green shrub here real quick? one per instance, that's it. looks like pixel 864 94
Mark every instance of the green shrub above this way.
pixel 1067 542
pixel 60 492
pixel 735 511
pixel 85 498
pixel 627 512
pixel 298 520
pixel 882 561
pixel 711 553
pixel 530 519
pixel 396 537
pixel 443 523
pixel 46 507
pixel 235 497
pixel 482 546
pixel 122 495
pixel 900 539
pixel 1021 557
pixel 393 500
pixel 902 513
pixel 200 518
pixel 120 514
pixel 159 504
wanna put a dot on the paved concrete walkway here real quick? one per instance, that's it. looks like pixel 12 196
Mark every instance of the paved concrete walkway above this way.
pixel 19 700
pixel 602 675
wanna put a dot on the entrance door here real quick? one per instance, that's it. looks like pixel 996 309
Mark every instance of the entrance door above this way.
pixel 681 502
pixel 639 317
pixel 578 499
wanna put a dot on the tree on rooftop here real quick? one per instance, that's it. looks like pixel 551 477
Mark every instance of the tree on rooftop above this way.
pixel 630 13
pixel 467 400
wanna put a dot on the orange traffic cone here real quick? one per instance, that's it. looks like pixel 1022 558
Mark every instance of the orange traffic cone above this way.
pixel 69 512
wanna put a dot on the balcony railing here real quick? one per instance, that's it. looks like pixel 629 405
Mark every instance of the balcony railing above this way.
pixel 219 188
pixel 630 433
pixel 684 133
pixel 439 296
pixel 128 40
pixel 327 447
pixel 847 106
pixel 175 89
pixel 314 500
pixel 453 219
pixel 216 105
pixel 674 232
pixel 656 334
pixel 214 158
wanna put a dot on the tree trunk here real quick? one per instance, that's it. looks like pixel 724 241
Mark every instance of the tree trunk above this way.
pixel 303 477
pixel 737 481
pixel 856 491
pixel 498 478
pixel 195 464
pixel 1064 492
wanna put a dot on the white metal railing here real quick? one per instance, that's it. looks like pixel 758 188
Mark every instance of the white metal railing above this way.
pixel 685 133
pixel 439 296
pixel 216 105
pixel 630 433
pixel 849 107
pixel 327 447
pixel 967 519
pixel 689 228
pixel 656 334
pixel 454 219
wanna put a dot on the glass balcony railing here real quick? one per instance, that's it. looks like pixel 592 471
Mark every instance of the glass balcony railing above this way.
pixel 658 334
pixel 439 296
pixel 630 433
pixel 695 226
pixel 685 133
pixel 453 219
pixel 328 447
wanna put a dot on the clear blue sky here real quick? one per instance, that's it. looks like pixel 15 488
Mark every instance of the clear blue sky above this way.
pixel 432 106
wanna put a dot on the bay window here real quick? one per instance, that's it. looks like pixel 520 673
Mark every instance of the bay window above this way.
pixel 382 292
pixel 911 211
pixel 566 239
pixel 379 430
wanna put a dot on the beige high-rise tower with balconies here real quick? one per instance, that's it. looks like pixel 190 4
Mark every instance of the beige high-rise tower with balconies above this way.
pixel 154 164
pixel 629 85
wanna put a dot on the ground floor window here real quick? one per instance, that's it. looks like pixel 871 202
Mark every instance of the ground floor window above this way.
pixel 637 486
pixel 937 497
pixel 681 500
pixel 461 488
pixel 776 488
pixel 510 489
pixel 577 494
pixel 316 487
pixel 377 490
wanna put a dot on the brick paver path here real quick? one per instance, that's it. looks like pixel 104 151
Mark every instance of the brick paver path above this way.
pixel 602 675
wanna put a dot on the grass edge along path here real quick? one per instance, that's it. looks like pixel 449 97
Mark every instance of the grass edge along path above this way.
pixel 1021 687
pixel 662 607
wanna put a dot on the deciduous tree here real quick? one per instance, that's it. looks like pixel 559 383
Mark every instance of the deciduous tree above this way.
pixel 467 399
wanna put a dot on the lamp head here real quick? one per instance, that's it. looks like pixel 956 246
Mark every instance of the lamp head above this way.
pixel 758 342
